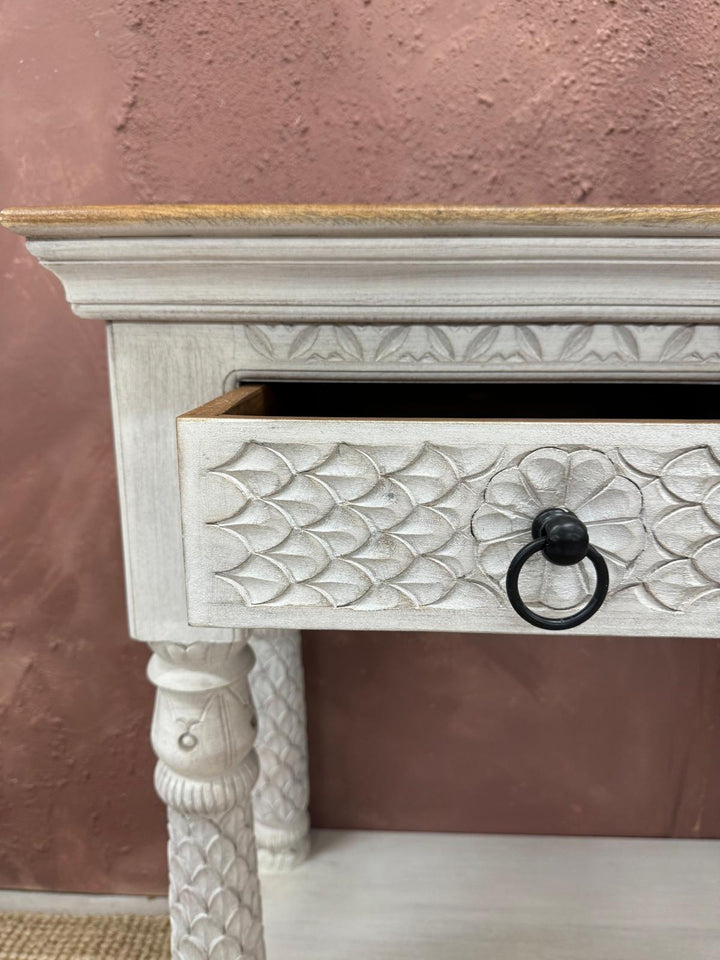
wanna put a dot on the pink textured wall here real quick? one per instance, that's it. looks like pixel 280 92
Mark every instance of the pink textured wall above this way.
pixel 353 100
pixel 451 100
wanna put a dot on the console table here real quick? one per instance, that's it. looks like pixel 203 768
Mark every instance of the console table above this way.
pixel 413 418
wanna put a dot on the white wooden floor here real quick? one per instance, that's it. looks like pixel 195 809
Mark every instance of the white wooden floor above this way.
pixel 409 896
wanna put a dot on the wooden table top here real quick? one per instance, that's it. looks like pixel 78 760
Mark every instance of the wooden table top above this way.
pixel 354 219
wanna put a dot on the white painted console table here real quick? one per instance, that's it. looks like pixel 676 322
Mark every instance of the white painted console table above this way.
pixel 327 486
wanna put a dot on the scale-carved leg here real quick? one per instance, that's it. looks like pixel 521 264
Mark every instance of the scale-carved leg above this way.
pixel 280 799
pixel 203 732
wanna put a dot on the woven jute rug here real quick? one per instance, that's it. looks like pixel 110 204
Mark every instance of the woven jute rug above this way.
pixel 43 936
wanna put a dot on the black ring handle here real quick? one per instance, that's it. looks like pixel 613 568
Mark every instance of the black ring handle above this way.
pixel 564 540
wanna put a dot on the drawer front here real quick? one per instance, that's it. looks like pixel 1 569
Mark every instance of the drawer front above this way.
pixel 412 524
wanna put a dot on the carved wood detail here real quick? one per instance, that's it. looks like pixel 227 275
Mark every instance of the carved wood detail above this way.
pixel 371 528
pixel 202 732
pixel 681 496
pixel 584 481
pixel 281 795
pixel 577 348
pixel 386 531
pixel 430 526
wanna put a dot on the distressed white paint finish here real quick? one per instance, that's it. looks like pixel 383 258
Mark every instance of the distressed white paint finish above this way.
pixel 343 279
pixel 157 370
pixel 399 896
pixel 316 523
pixel 479 351
pixel 402 292
pixel 160 370
pixel 282 793
pixel 410 896
pixel 203 732
pixel 154 372
pixel 591 485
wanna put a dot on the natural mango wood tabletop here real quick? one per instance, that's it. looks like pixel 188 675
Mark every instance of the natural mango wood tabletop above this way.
pixel 378 219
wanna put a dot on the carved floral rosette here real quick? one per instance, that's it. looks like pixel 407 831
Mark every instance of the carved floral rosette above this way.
pixel 586 482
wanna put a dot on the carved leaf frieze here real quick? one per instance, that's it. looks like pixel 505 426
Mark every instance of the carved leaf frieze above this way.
pixel 490 345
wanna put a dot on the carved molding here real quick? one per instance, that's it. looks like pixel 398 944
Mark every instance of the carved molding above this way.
pixel 373 528
pixel 485 350
pixel 524 278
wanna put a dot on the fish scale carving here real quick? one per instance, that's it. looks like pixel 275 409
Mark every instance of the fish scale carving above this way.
pixel 214 891
pixel 281 795
pixel 281 712
pixel 350 526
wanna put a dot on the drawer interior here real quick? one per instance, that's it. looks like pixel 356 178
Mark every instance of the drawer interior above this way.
pixel 469 401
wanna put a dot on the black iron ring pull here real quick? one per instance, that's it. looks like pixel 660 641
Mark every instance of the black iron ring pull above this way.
pixel 564 540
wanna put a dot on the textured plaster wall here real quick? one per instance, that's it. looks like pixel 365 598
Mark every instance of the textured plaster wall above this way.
pixel 451 100
pixel 353 100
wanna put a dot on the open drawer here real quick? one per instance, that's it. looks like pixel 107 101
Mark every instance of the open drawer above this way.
pixel 401 506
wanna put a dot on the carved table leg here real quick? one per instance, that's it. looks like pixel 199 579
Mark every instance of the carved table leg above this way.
pixel 203 732
pixel 281 795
